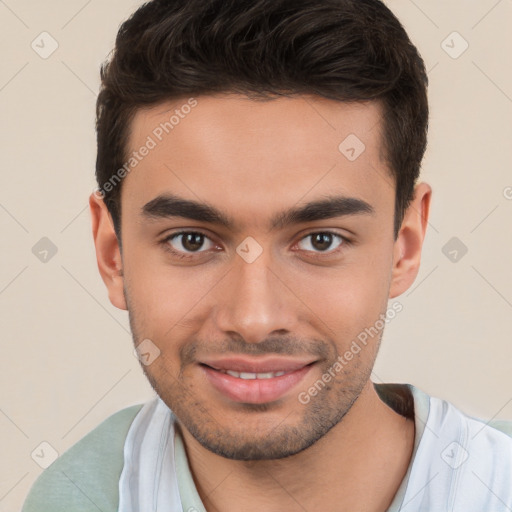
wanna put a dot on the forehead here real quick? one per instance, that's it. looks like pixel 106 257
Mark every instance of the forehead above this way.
pixel 247 155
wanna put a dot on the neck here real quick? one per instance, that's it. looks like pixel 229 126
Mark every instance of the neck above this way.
pixel 358 465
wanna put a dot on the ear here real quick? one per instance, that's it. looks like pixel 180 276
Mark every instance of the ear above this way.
pixel 407 248
pixel 108 253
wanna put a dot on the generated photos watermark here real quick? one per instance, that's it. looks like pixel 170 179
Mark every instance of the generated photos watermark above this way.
pixel 152 141
pixel 356 346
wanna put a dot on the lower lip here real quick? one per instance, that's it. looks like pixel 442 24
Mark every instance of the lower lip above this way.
pixel 254 391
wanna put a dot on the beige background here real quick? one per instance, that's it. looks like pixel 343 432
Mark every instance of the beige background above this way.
pixel 67 361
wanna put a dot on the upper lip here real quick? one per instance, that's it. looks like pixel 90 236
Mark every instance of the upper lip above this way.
pixel 257 365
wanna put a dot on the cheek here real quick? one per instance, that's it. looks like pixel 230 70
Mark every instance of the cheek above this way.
pixel 163 298
pixel 348 298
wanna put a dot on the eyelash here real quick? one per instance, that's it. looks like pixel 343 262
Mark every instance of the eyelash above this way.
pixel 319 255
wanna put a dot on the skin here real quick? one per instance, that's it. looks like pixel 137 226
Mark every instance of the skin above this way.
pixel 252 160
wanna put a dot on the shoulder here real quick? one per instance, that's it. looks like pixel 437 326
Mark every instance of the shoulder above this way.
pixel 86 476
pixel 489 441
pixel 443 413
pixel 458 459
pixel 498 432
pixel 502 425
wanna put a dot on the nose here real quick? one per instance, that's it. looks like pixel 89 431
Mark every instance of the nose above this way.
pixel 255 302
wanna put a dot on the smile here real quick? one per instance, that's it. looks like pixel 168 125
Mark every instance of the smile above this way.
pixel 255 381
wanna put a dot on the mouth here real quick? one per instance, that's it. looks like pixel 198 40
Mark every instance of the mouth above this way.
pixel 255 381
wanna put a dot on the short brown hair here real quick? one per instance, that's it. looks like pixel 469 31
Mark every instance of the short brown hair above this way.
pixel 345 50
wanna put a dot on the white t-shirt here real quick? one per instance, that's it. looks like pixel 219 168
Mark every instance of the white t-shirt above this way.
pixel 459 463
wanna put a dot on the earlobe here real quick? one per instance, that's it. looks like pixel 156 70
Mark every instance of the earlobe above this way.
pixel 108 253
pixel 407 248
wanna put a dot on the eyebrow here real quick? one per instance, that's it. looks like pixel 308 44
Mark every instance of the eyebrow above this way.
pixel 169 205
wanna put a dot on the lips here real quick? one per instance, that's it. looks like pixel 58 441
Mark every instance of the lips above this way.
pixel 255 381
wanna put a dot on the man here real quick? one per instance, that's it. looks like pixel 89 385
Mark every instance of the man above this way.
pixel 257 208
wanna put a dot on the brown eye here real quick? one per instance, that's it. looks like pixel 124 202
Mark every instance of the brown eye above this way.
pixel 321 242
pixel 189 241
pixel 192 241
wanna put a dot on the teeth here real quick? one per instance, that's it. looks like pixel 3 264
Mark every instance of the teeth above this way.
pixel 268 375
pixel 252 376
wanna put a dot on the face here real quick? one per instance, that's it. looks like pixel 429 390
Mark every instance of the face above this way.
pixel 255 250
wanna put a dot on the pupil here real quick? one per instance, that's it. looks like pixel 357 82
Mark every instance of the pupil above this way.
pixel 192 241
pixel 322 241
